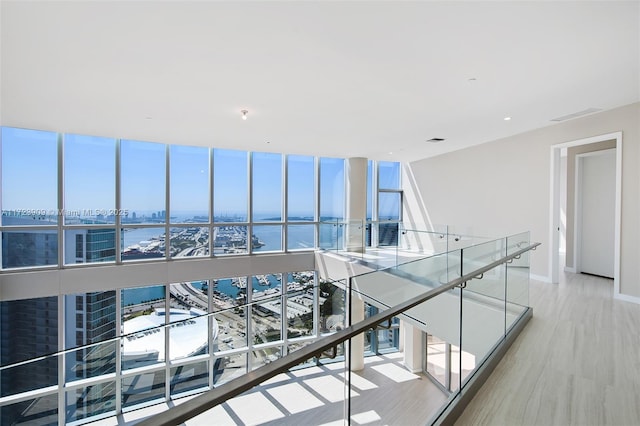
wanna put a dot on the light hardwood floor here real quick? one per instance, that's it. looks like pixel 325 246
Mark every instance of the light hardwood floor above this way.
pixel 577 362
pixel 384 393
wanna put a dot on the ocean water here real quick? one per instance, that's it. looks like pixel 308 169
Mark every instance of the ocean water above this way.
pixel 134 296
pixel 300 237
pixel 139 295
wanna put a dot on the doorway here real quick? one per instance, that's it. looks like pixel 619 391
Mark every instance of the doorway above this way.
pixel 554 212
pixel 594 212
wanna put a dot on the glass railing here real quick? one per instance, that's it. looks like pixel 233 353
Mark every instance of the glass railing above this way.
pixel 464 314
pixel 158 363
pixel 387 243
pixel 453 318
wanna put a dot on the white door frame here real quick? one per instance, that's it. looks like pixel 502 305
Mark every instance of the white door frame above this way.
pixel 577 206
pixel 554 207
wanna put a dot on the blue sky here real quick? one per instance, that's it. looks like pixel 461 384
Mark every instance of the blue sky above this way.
pixel 29 177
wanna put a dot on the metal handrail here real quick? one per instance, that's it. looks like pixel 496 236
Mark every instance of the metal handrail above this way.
pixel 209 399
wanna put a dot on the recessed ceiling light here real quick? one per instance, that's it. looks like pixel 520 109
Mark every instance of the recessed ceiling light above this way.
pixel 507 118
pixel 435 140
pixel 390 153
pixel 244 113
pixel 472 79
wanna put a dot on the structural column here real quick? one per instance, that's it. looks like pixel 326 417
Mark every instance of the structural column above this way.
pixel 356 204
pixel 412 337
pixel 356 214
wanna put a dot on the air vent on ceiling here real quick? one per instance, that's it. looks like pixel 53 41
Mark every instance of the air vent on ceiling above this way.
pixel 435 140
pixel 577 114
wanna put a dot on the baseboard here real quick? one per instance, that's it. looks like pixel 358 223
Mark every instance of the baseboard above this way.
pixel 542 278
pixel 626 298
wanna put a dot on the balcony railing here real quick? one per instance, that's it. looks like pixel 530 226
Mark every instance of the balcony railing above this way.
pixel 114 377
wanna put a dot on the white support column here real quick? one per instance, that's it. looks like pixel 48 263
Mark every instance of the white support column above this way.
pixel 356 206
pixel 357 342
pixel 356 203
pixel 412 347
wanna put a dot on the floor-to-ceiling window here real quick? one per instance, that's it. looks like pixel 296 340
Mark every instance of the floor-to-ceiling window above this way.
pixel 76 201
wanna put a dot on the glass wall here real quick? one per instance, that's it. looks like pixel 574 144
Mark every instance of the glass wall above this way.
pixel 89 180
pixel 142 345
pixel 143 182
pixel 70 199
pixel 29 177
pixel 388 200
pixel 230 186
pixel 189 183
pixel 125 200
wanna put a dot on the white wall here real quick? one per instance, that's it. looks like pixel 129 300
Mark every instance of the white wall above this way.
pixel 83 279
pixel 503 187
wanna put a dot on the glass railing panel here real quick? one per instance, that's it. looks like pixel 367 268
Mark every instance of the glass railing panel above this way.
pixel 266 308
pixel 189 377
pixel 301 292
pixel 518 273
pixel 33 375
pixel 478 256
pixel 438 360
pixel 484 313
pixel 463 363
pixel 265 355
pixel 37 411
pixel 91 361
pixel 354 237
pixel 388 233
pixel 143 315
pixel 432 271
pixel 228 367
pixel 423 241
pixel 229 296
pixel 332 302
pixel 297 345
pixel 143 387
pixel 89 401
pixel 189 328
pixel 331 235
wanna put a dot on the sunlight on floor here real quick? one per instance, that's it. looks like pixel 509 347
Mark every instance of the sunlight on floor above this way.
pixel 395 373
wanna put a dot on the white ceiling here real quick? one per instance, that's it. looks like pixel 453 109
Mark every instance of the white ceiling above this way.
pixel 328 78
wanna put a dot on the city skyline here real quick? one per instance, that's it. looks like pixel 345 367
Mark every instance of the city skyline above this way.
pixel 29 180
